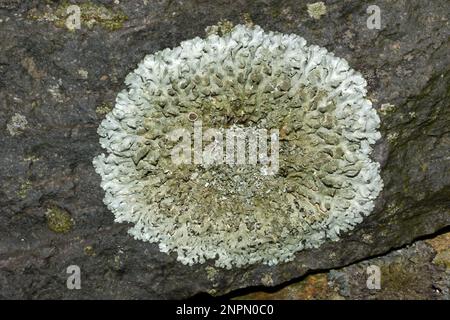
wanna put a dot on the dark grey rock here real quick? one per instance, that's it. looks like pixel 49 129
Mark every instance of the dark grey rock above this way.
pixel 58 80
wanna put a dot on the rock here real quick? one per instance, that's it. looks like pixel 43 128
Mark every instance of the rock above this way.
pixel 49 164
pixel 411 273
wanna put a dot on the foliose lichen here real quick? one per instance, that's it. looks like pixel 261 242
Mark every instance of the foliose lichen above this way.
pixel 326 181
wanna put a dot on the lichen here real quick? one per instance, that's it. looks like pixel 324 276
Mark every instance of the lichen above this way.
pixel 17 124
pixel 211 273
pixel 316 10
pixel 23 189
pixel 31 158
pixel 223 27
pixel 84 74
pixel 89 251
pixel 103 108
pixel 326 182
pixel 392 137
pixel 267 280
pixel 247 18
pixel 387 108
pixel 59 220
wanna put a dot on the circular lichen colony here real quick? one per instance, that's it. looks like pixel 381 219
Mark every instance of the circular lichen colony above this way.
pixel 326 182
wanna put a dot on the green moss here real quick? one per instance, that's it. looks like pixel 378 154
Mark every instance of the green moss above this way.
pixel 92 14
pixel 59 220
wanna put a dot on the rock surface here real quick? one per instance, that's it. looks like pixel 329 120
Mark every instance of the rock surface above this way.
pixel 417 272
pixel 56 85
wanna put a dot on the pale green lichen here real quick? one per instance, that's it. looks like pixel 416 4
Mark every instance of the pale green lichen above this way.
pixel 326 182
pixel 316 10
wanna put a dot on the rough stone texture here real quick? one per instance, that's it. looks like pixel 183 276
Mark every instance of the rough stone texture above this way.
pixel 62 82
pixel 420 271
